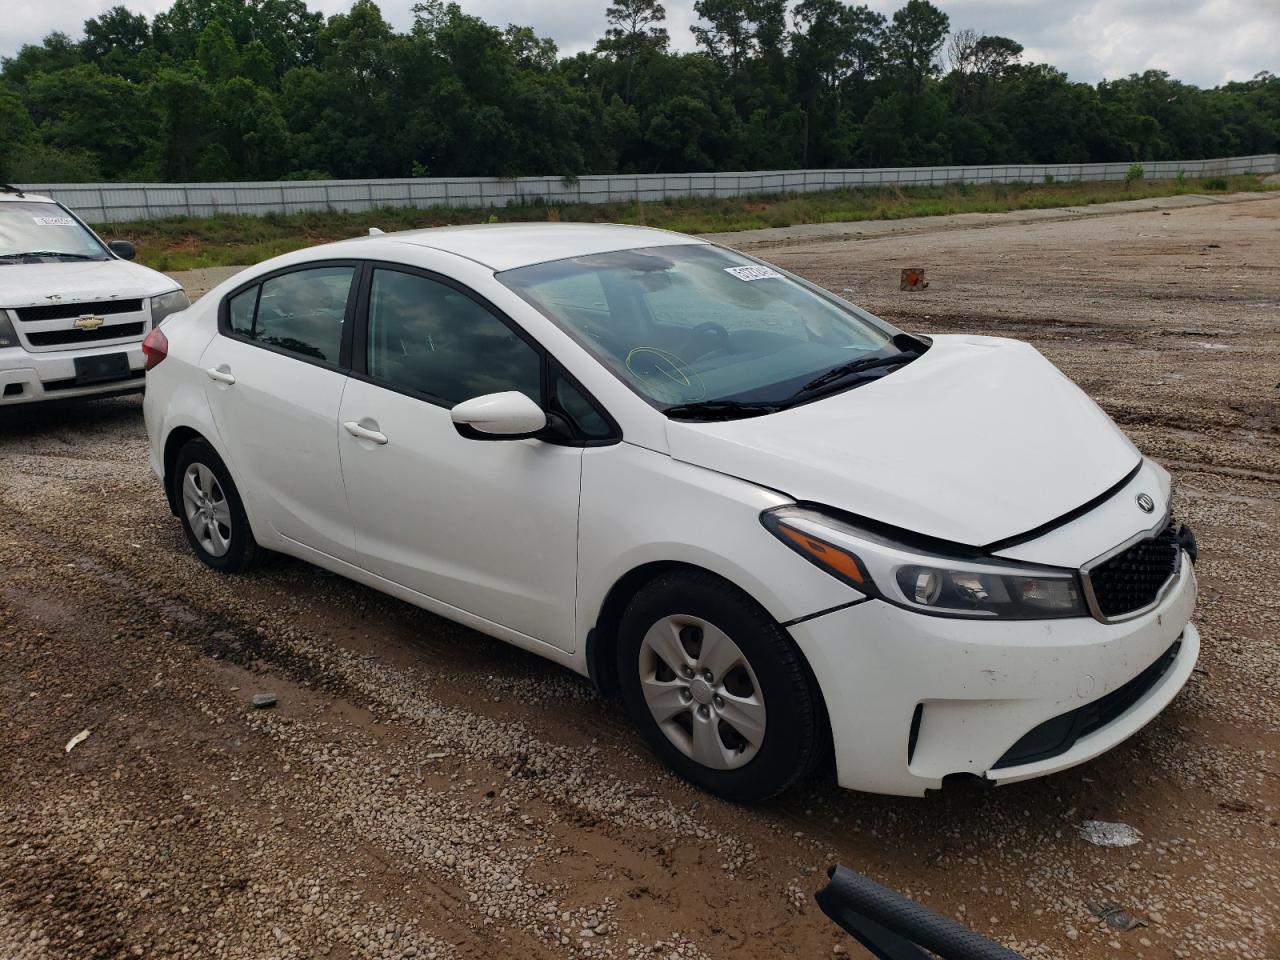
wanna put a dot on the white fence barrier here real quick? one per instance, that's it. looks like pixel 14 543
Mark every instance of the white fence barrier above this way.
pixel 116 202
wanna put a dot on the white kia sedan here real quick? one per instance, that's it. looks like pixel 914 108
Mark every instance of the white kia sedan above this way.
pixel 776 524
pixel 73 309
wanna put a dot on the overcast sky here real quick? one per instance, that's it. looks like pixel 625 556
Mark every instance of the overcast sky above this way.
pixel 1200 41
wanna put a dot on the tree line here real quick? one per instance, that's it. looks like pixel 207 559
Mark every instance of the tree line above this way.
pixel 269 89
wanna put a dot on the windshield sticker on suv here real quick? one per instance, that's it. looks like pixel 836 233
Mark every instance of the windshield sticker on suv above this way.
pixel 54 221
pixel 753 273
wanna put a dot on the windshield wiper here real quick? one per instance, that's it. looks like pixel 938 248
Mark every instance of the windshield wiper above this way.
pixel 719 410
pixel 850 369
pixel 49 253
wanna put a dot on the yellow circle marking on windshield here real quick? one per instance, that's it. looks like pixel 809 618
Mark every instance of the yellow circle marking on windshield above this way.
pixel 672 368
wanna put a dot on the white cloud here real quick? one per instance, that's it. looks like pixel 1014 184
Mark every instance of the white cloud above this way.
pixel 1201 41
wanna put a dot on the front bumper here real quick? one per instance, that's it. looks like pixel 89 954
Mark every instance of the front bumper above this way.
pixel 981 686
pixel 28 377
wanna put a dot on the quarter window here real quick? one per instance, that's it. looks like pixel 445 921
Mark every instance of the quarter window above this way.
pixel 241 310
pixel 300 313
pixel 427 338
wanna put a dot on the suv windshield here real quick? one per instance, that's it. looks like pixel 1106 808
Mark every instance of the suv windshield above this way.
pixel 704 332
pixel 35 230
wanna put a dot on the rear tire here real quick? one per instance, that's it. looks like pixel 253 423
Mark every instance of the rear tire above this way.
pixel 737 713
pixel 211 511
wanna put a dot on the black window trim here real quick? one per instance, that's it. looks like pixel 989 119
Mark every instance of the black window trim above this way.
pixel 549 367
pixel 344 350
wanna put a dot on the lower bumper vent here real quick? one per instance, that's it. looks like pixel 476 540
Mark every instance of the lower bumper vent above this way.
pixel 1055 737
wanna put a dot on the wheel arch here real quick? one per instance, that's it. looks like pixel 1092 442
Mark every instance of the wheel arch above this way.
pixel 178 438
pixel 602 638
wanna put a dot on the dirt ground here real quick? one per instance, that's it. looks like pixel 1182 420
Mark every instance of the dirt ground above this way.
pixel 422 791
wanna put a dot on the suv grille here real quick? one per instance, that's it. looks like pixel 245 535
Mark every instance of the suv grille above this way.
pixel 117 331
pixel 1055 737
pixel 69 311
pixel 1133 579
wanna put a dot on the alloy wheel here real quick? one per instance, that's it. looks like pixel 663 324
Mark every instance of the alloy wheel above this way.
pixel 207 510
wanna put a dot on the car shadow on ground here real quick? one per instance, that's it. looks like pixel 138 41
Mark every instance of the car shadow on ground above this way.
pixel 47 417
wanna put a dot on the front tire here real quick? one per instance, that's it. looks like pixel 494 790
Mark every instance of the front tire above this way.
pixel 212 513
pixel 717 688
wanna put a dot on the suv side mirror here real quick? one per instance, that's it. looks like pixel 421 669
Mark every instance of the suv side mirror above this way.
pixel 499 416
pixel 122 249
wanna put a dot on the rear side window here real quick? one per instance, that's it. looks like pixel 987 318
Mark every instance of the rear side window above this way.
pixel 300 313
pixel 425 337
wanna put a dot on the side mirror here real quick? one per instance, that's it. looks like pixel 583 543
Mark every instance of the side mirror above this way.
pixel 499 416
pixel 122 249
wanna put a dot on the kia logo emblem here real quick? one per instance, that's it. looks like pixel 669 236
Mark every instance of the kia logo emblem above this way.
pixel 1145 503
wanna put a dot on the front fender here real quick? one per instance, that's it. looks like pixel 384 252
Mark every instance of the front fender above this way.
pixel 639 507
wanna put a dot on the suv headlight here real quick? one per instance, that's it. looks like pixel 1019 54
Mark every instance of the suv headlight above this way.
pixel 166 304
pixel 926 577
pixel 8 338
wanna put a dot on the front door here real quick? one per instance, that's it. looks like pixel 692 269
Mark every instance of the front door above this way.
pixel 275 383
pixel 488 527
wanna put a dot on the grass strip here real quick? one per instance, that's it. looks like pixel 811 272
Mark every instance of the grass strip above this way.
pixel 184 243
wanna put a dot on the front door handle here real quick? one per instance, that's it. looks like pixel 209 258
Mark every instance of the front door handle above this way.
pixel 222 374
pixel 357 429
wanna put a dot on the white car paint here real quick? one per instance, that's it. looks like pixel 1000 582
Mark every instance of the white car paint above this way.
pixel 977 441
pixel 942 423
pixel 518 568
pixel 31 372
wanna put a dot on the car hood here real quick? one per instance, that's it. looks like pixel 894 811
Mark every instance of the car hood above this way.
pixel 33 284
pixel 978 440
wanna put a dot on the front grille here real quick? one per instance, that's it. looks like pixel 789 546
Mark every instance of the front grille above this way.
pixel 1134 578
pixel 1055 737
pixel 52 338
pixel 69 311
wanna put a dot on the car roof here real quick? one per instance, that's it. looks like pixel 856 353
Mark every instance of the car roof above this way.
pixel 506 246
pixel 24 197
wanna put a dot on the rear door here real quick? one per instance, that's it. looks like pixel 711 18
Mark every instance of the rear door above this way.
pixel 275 377
pixel 488 527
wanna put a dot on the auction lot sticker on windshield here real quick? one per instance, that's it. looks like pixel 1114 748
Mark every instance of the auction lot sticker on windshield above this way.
pixel 754 273
pixel 54 221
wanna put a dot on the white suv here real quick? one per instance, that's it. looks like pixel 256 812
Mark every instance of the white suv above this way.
pixel 73 310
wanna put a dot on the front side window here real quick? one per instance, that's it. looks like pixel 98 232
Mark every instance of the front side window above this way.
pixel 427 338
pixel 35 231
pixel 697 324
pixel 300 312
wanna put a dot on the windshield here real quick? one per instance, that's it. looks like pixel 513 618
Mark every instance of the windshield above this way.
pixel 698 325
pixel 32 229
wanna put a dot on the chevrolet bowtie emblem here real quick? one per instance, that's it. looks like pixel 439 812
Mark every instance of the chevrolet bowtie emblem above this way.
pixel 89 322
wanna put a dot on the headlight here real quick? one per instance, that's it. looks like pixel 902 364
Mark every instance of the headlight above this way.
pixel 926 577
pixel 166 304
pixel 7 336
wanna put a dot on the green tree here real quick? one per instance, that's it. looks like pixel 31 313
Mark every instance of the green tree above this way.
pixel 914 40
pixel 635 28
pixel 81 108
pixel 116 30
pixel 17 131
pixel 184 104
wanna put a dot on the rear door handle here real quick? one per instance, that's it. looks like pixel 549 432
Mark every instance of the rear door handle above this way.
pixel 364 433
pixel 222 374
